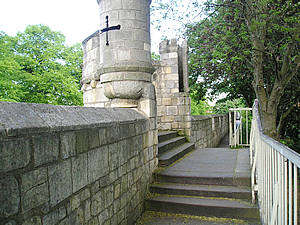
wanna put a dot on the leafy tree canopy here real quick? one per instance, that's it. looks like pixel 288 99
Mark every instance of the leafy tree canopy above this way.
pixel 250 49
pixel 36 66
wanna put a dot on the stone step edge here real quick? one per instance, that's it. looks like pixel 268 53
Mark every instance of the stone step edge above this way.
pixel 171 143
pixel 202 190
pixel 171 156
pixel 164 135
pixel 209 207
pixel 222 181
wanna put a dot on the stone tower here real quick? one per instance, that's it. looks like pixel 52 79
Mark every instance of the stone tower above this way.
pixel 117 70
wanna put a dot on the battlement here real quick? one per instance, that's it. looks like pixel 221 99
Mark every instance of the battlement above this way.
pixel 168 46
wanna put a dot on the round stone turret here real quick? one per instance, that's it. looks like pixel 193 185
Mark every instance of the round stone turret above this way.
pixel 125 56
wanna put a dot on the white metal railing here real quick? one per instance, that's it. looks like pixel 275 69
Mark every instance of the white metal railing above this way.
pixel 239 126
pixel 274 176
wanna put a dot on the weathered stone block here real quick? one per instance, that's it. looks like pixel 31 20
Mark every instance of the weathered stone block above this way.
pixel 98 163
pixel 102 136
pixel 14 154
pixel 79 172
pixel 114 152
pixel 108 196
pixel 54 216
pixel 117 191
pixel 67 144
pixel 46 149
pixel 87 210
pixel 34 189
pixel 82 141
pixel 171 110
pixel 60 181
pixel 9 196
pixel 148 107
pixel 111 133
pixel 36 220
pixel 103 216
pixel 171 84
pixel 97 203
pixel 75 202
pixel 166 101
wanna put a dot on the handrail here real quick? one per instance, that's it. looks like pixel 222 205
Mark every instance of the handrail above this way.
pixel 274 176
pixel 293 156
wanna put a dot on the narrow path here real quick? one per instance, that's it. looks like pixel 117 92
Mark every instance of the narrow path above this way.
pixel 213 179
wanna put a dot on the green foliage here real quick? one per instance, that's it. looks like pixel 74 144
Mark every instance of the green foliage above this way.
pixel 171 17
pixel 155 56
pixel 200 107
pixel 219 55
pixel 36 66
pixel 222 107
pixel 251 49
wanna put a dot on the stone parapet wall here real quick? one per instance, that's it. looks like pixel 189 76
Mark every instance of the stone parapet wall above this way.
pixel 73 165
pixel 91 57
pixel 207 131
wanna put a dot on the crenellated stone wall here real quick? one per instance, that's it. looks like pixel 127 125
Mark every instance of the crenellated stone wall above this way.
pixel 208 131
pixel 73 165
pixel 172 91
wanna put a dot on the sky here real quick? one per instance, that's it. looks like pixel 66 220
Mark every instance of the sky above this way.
pixel 76 19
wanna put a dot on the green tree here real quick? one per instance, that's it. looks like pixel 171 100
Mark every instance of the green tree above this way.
pixel 246 47
pixel 46 71
pixel 219 55
pixel 11 74
pixel 222 106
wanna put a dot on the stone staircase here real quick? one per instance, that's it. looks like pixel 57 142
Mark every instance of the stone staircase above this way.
pixel 172 147
pixel 185 189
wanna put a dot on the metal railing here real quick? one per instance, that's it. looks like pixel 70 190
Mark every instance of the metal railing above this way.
pixel 274 176
pixel 239 126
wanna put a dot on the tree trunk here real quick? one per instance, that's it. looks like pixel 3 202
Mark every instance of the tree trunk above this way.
pixel 268 120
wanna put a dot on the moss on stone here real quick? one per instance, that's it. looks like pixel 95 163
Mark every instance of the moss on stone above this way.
pixel 149 216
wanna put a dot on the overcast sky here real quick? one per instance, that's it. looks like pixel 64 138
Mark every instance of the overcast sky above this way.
pixel 76 19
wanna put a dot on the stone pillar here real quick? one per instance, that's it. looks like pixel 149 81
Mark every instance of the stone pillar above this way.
pixel 125 64
pixel 119 74
pixel 172 91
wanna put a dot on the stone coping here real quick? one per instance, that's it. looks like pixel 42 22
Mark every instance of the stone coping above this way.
pixel 96 33
pixel 29 118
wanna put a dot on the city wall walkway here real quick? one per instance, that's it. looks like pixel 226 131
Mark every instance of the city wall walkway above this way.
pixel 215 170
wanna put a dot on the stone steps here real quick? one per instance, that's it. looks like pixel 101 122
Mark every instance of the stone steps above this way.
pixel 169 144
pixel 202 184
pixel 172 147
pixel 190 205
pixel 202 180
pixel 167 158
pixel 202 190
pixel 166 135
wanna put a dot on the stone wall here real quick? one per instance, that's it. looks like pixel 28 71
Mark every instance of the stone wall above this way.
pixel 207 131
pixel 93 92
pixel 73 165
pixel 172 92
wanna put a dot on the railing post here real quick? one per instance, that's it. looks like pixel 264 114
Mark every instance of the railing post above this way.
pixel 230 129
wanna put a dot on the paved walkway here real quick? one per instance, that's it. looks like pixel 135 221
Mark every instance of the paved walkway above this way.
pixel 220 163
pixel 212 163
